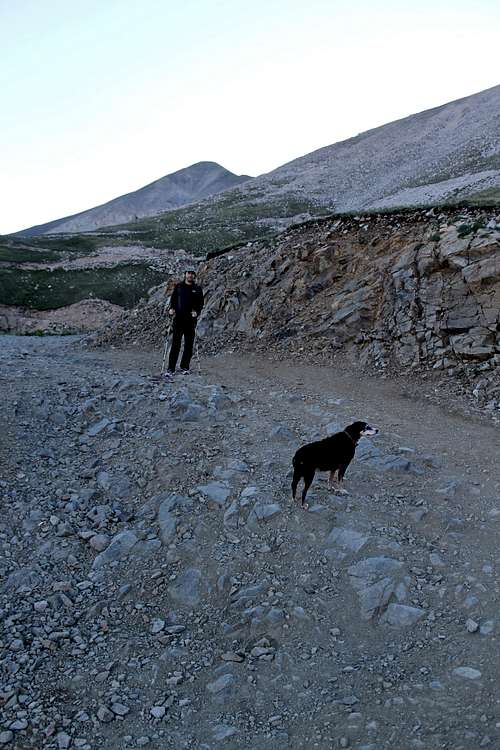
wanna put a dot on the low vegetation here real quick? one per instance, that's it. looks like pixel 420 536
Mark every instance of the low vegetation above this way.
pixel 42 289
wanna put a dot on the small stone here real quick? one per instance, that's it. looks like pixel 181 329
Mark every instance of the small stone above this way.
pixel 487 627
pixel 6 737
pixel 63 741
pixel 221 683
pixel 19 725
pixel 158 712
pixel 471 626
pixel 232 656
pixel 99 542
pixel 104 714
pixel 157 626
pixel 469 673
pixel 223 731
pixel 119 709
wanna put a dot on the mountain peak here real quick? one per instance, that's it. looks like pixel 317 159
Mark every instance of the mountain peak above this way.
pixel 186 185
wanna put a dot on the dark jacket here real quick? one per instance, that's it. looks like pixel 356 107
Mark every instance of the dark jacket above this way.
pixel 186 298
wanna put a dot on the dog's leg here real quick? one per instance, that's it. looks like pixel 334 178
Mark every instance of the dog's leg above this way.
pixel 331 479
pixel 308 477
pixel 342 471
pixel 297 476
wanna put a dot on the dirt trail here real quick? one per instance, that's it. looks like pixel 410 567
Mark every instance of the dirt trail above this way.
pixel 161 590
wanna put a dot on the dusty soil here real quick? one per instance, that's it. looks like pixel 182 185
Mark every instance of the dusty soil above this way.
pixel 161 590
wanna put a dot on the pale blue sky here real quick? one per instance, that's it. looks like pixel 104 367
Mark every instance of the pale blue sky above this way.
pixel 99 98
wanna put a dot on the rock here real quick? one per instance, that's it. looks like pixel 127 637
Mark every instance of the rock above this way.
pixel 264 512
pixel 223 731
pixel 232 515
pixel 471 625
pixel 6 737
pixel 375 579
pixel 187 588
pixel 348 540
pixel 158 712
pixel 216 492
pixel 98 427
pixel 157 626
pixel 401 615
pixel 222 685
pixel 104 714
pixel 19 725
pixel 119 709
pixel 167 520
pixel 120 547
pixel 99 542
pixel 63 740
pixel 468 673
pixel 487 627
pixel 232 656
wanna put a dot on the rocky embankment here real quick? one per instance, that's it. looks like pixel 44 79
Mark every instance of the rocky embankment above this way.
pixel 160 590
pixel 410 291
pixel 82 317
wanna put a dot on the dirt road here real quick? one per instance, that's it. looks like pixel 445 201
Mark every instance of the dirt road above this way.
pixel 160 589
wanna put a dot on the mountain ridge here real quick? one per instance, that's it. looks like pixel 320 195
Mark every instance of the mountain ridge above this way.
pixel 187 185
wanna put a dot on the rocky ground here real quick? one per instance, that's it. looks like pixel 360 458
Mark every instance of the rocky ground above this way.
pixel 160 590
pixel 81 317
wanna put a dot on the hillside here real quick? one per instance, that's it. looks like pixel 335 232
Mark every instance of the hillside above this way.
pixel 403 291
pixel 449 152
pixel 187 185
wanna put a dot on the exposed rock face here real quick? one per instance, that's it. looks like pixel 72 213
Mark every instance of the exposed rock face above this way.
pixel 411 288
pixel 407 290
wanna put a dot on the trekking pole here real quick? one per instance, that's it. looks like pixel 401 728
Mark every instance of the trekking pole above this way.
pixel 165 348
pixel 164 355
pixel 198 358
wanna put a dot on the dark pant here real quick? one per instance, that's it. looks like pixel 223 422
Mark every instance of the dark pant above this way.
pixel 182 327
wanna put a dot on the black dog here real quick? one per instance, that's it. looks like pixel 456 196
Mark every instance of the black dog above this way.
pixel 332 454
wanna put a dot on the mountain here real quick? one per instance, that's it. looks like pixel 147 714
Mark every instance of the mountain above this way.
pixel 188 185
pixel 448 152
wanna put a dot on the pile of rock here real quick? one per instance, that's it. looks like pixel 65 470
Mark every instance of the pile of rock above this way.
pixel 417 289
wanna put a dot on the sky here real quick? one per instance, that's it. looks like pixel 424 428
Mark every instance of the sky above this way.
pixel 101 97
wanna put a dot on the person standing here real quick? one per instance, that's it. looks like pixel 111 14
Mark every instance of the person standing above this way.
pixel 186 304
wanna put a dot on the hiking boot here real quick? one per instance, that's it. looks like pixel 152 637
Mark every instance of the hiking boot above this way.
pixel 169 374
pixel 184 371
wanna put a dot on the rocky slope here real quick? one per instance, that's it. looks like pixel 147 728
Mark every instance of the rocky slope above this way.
pixel 159 590
pixel 449 152
pixel 399 291
pixel 82 317
pixel 185 186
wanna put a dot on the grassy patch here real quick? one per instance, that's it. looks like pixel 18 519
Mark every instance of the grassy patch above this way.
pixel 44 290
pixel 79 244
pixel 27 255
pixel 488 197
pixel 207 226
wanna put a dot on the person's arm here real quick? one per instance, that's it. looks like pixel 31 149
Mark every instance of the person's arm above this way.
pixel 199 301
pixel 171 307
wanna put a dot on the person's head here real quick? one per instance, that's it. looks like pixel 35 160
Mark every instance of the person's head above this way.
pixel 189 276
